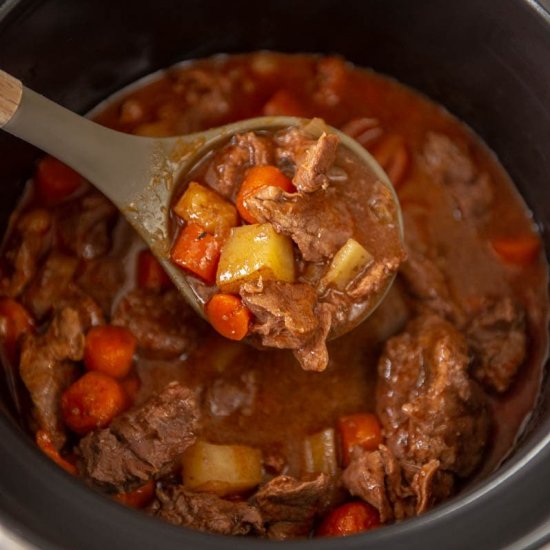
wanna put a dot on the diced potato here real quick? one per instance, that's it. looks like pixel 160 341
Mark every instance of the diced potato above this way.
pixel 206 208
pixel 221 469
pixel 346 264
pixel 320 453
pixel 254 251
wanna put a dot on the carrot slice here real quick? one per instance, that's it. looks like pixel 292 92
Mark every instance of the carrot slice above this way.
pixel 109 349
pixel 55 180
pixel 348 519
pixel 362 430
pixel 15 321
pixel 139 498
pixel 197 251
pixel 229 316
pixel 522 250
pixel 45 444
pixel 150 273
pixel 256 178
pixel 92 402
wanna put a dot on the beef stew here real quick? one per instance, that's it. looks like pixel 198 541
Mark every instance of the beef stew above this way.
pixel 427 394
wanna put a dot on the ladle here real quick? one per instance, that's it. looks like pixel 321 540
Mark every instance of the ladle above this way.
pixel 136 173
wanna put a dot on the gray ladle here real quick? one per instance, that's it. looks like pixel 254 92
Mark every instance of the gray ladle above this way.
pixel 136 173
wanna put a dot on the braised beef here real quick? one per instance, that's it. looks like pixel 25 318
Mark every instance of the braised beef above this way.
pixel 102 278
pixel 85 225
pixel 51 282
pixel 289 506
pixel 205 512
pixel 497 337
pixel 164 324
pixel 23 255
pixel 426 282
pixel 428 406
pixel 141 444
pixel 47 368
pixel 203 97
pixel 450 166
pixel 317 222
pixel 311 172
pixel 228 394
pixel 396 491
pixel 227 172
pixel 286 316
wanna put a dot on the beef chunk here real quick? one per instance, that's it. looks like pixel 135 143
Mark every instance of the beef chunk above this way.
pixel 332 81
pixel 289 506
pixel 143 443
pixel 205 512
pixel 396 493
pixel 376 478
pixel 317 222
pixel 85 226
pixel 450 166
pixel 311 172
pixel 431 485
pixel 287 317
pixel 164 324
pixel 89 312
pixel 204 97
pixel 101 279
pixel 497 336
pixel 230 394
pixel 51 284
pixel 425 281
pixel 313 354
pixel 375 278
pixel 228 170
pixel 30 240
pixel 47 368
pixel 428 406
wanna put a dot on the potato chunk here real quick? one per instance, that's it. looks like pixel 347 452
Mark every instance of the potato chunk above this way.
pixel 221 469
pixel 254 251
pixel 346 264
pixel 205 207
pixel 320 453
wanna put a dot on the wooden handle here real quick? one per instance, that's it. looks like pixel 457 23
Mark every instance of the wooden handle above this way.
pixel 11 90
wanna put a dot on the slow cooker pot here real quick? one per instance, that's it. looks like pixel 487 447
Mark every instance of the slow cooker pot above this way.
pixel 488 62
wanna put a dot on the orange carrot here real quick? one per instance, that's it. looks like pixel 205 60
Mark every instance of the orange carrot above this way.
pixel 392 155
pixel 284 103
pixel 55 180
pixel 45 444
pixel 109 349
pixel 229 316
pixel 522 250
pixel 138 498
pixel 362 430
pixel 150 273
pixel 256 178
pixel 348 519
pixel 197 251
pixel 15 320
pixel 92 402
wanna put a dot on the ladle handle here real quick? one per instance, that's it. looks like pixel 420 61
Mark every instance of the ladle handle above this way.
pixel 11 91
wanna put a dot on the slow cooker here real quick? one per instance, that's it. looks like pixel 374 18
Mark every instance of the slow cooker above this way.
pixel 487 62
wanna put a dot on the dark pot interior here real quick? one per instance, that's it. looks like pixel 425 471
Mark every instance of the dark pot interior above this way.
pixel 487 62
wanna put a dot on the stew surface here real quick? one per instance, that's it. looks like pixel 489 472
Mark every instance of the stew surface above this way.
pixel 122 385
